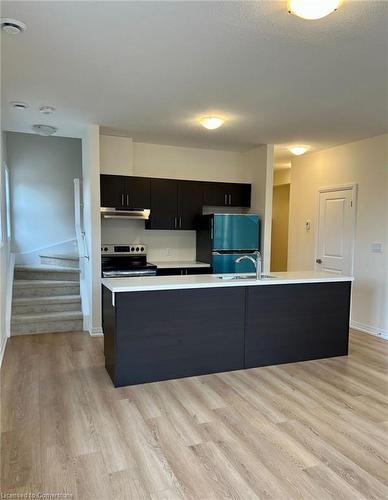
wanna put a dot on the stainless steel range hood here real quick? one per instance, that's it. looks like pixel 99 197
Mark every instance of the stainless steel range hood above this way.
pixel 125 213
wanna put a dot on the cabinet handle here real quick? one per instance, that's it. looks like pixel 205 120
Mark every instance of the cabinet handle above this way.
pixel 212 229
pixel 180 222
pixel 226 199
pixel 230 199
pixel 175 222
pixel 122 200
pixel 127 200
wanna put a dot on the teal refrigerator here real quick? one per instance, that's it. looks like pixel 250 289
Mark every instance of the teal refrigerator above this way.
pixel 222 238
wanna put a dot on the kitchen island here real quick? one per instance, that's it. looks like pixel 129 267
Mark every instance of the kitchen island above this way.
pixel 158 328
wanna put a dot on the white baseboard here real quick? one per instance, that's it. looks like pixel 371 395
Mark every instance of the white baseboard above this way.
pixel 2 350
pixel 96 332
pixel 371 330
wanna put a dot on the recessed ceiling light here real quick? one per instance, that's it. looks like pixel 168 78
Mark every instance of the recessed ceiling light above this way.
pixel 47 110
pixel 12 26
pixel 298 150
pixel 211 122
pixel 44 129
pixel 312 9
pixel 21 106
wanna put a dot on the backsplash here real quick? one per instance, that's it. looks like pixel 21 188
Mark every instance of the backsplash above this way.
pixel 161 245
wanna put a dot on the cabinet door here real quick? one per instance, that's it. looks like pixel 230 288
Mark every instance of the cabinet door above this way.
pixel 239 195
pixel 112 190
pixel 164 204
pixel 190 201
pixel 171 271
pixel 199 270
pixel 137 192
pixel 290 323
pixel 190 332
pixel 216 194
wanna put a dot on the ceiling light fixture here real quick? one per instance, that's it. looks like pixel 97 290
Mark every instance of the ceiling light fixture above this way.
pixel 12 26
pixel 298 150
pixel 44 129
pixel 20 106
pixel 312 9
pixel 46 110
pixel 211 122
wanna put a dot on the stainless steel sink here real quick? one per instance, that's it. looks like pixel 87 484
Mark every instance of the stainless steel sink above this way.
pixel 252 278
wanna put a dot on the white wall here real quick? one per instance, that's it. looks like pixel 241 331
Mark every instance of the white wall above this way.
pixel 365 163
pixel 282 176
pixel 42 170
pixel 122 156
pixel 91 268
pixel 4 256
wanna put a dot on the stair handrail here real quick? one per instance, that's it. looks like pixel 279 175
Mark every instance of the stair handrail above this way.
pixel 79 232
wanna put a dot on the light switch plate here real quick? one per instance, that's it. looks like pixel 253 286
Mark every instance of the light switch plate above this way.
pixel 377 247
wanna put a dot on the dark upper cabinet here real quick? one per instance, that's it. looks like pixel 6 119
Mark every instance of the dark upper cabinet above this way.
pixel 227 194
pixel 190 202
pixel 239 195
pixel 120 191
pixel 138 192
pixel 112 189
pixel 164 204
pixel 174 204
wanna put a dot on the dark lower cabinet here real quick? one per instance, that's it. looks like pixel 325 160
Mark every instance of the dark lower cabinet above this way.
pixel 289 323
pixel 159 335
pixel 182 271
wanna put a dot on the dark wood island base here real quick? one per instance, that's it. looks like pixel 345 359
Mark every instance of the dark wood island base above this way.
pixel 158 335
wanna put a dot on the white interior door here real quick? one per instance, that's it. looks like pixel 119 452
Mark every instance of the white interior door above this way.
pixel 336 226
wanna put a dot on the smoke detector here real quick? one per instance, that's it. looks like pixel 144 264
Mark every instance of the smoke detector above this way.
pixel 44 129
pixel 12 26
pixel 46 110
pixel 20 106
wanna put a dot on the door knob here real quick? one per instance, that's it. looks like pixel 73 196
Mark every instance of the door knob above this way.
pixel 318 261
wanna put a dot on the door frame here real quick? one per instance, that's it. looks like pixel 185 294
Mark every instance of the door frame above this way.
pixel 353 187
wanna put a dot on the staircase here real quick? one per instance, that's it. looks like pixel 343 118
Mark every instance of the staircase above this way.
pixel 46 298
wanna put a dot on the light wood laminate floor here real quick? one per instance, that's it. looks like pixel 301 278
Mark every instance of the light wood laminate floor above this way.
pixel 312 430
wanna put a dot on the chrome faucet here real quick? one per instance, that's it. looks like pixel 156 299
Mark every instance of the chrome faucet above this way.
pixel 256 262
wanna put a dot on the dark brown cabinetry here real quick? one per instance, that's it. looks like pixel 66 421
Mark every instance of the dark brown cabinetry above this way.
pixel 227 194
pixel 207 330
pixel 164 204
pixel 120 191
pixel 290 323
pixel 183 271
pixel 175 204
pixel 190 332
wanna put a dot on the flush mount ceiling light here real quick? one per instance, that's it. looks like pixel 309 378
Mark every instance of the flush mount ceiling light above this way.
pixel 312 9
pixel 211 122
pixel 298 150
pixel 46 110
pixel 20 106
pixel 12 26
pixel 44 129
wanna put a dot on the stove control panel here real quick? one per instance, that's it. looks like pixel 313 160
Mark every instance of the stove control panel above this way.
pixel 124 249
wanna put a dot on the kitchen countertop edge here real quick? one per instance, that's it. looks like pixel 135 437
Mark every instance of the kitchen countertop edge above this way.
pixel 117 285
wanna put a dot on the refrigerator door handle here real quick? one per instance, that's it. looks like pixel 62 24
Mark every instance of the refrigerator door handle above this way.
pixel 212 229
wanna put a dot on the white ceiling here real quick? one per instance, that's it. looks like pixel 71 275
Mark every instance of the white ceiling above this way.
pixel 149 69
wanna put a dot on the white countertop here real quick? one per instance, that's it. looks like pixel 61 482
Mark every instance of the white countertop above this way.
pixel 177 264
pixel 149 283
